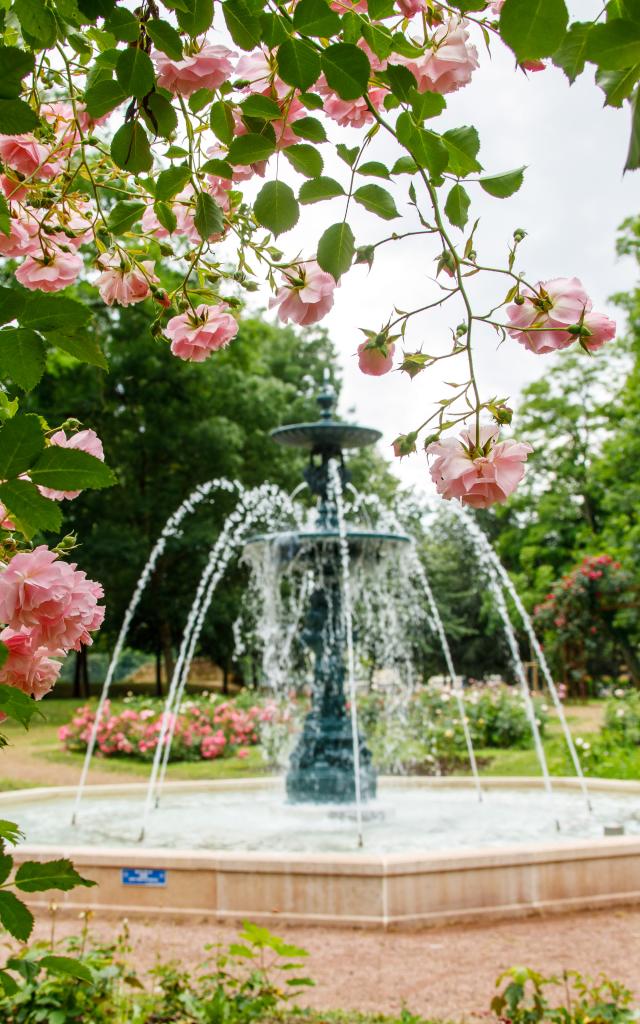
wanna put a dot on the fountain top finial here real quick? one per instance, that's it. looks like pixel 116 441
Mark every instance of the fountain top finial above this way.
pixel 326 398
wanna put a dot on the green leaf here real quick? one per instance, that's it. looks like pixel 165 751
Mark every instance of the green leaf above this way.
pixel 218 168
pixel 104 97
pixel 336 250
pixel 130 149
pixel 426 104
pixel 400 80
pixel 614 45
pixel 123 25
pixel 66 966
pixel 276 207
pixel 457 206
pixel 298 63
pixel 379 9
pixel 317 189
pixel 165 38
pixel 172 181
pixel 221 121
pixel 38 876
pixel 618 85
pixel 15 917
pixel 6 864
pixel 633 155
pixel 159 115
pixel 503 185
pixel 305 158
pixel 209 218
pixel 12 304
pixel 7 984
pixel 273 29
pixel 16 117
pixel 243 24
pixel 17 705
pixel 250 148
pixel 377 200
pixel 47 313
pixel 124 215
pixel 309 128
pixel 572 54
pixel 10 832
pixel 379 39
pixel 22 356
pixel 36 20
pixel 134 72
pixel 463 145
pixel 533 28
pixel 30 510
pixel 21 442
pixel 346 69
pixel 430 151
pixel 374 169
pixel 69 469
pixel 84 347
pixel 404 165
pixel 349 155
pixel 166 216
pixel 311 101
pixel 315 18
pixel 261 107
pixel 16 64
pixel 197 17
pixel 5 218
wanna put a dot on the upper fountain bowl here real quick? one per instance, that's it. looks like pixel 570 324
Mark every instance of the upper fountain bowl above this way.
pixel 326 434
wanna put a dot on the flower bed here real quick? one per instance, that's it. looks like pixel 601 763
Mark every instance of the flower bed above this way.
pixel 205 729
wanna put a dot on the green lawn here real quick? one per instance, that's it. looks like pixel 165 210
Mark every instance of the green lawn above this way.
pixel 39 749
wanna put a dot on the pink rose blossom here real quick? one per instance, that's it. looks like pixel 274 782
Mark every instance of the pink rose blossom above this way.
pixel 84 441
pixel 479 475
pixel 496 7
pixel 28 666
pixel 23 153
pixel 255 68
pixel 122 282
pixel 373 361
pixel 554 305
pixel 411 7
pixel 349 113
pixel 49 271
pixel 51 597
pixel 602 330
pixel 306 295
pixel 450 64
pixel 20 240
pixel 533 65
pixel 194 336
pixel 209 68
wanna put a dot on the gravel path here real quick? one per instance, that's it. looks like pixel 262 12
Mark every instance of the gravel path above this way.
pixel 446 973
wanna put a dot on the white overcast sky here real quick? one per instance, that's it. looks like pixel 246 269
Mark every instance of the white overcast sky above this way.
pixel 573 199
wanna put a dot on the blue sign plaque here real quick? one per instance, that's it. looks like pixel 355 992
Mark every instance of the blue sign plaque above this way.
pixel 156 877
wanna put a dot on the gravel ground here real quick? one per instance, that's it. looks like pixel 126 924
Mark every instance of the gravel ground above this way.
pixel 446 973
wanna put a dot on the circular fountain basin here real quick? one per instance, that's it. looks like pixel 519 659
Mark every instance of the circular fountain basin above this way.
pixel 432 852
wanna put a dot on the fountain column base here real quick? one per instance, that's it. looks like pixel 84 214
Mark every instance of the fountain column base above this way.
pixel 322 767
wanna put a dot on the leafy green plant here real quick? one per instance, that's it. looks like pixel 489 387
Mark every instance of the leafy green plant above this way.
pixel 525 1000
pixel 83 981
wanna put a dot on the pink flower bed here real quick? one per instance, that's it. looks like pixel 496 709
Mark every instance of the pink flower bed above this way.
pixel 203 730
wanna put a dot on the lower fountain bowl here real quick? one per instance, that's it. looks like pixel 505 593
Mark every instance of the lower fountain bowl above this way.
pixel 236 850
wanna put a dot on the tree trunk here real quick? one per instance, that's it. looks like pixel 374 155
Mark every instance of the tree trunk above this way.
pixel 225 677
pixel 158 672
pixel 166 644
pixel 81 675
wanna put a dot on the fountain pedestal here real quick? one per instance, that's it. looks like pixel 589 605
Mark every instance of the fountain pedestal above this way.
pixel 322 766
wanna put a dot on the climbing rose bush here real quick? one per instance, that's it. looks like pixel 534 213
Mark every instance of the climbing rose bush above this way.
pixel 480 471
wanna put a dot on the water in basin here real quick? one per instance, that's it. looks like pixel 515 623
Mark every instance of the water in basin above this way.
pixel 403 818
